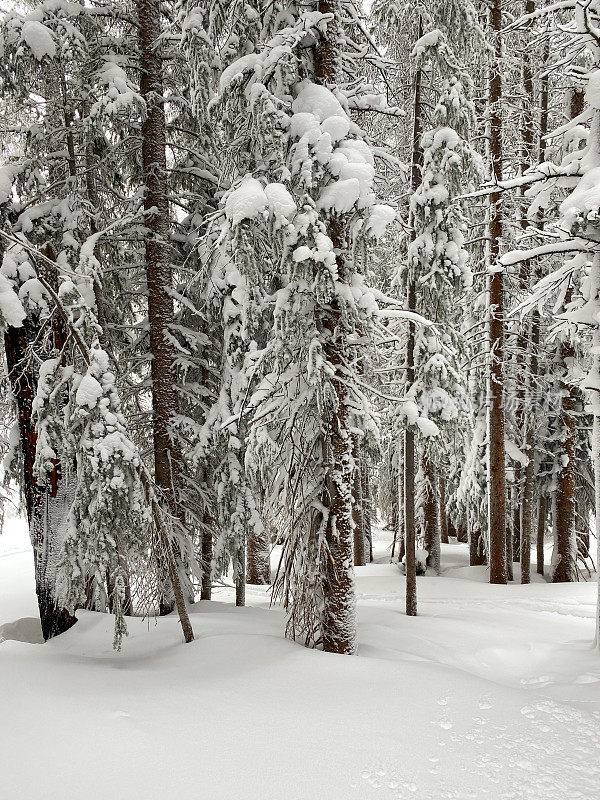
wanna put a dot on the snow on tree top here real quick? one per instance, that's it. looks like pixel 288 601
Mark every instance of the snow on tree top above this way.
pixel 38 38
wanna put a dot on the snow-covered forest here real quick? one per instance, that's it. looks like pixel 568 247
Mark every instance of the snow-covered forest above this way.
pixel 300 359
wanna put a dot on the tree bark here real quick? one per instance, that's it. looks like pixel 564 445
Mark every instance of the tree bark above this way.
pixel 159 273
pixel 541 532
pixel 46 505
pixel 258 558
pixel 411 297
pixel 497 467
pixel 477 557
pixel 358 508
pixel 430 516
pixel 339 612
pixel 442 510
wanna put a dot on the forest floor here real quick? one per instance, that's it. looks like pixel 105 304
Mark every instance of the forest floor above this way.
pixel 491 692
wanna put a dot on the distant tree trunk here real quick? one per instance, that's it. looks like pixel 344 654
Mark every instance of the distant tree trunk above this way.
pixel 240 579
pixel 430 516
pixel 509 550
pixel 259 558
pixel 442 510
pixel 461 533
pixel 411 304
pixel 367 506
pixel 207 554
pixel 541 532
pixel 159 273
pixel 497 467
pixel 339 613
pixel 477 556
pixel 358 511
pixel 516 520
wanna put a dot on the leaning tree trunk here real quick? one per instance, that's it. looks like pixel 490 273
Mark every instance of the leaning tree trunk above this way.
pixel 497 467
pixel 339 607
pixel 159 273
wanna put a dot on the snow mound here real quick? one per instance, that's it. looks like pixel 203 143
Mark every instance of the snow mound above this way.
pixel 26 629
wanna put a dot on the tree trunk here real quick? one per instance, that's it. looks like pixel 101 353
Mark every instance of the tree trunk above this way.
pixel 47 506
pixel 411 297
pixel 497 467
pixel 541 532
pixel 259 558
pixel 159 273
pixel 442 510
pixel 339 609
pixel 367 506
pixel 430 516
pixel 477 556
pixel 357 508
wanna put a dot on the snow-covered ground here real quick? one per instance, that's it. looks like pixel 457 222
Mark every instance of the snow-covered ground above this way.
pixel 491 692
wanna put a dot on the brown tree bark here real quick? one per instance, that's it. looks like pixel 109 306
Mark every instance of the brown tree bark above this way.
pixel 159 273
pixel 442 510
pixel 339 612
pixel 357 507
pixel 367 506
pixel 477 557
pixel 541 532
pixel 411 304
pixel 258 569
pixel 497 467
pixel 430 516
pixel 46 505
pixel 564 559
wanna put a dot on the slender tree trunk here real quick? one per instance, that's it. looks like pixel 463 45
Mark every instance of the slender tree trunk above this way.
pixel 339 612
pixel 430 516
pixel 159 273
pixel 509 550
pixel 541 532
pixel 442 510
pixel 358 508
pixel 367 506
pixel 497 467
pixel 207 552
pixel 409 435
